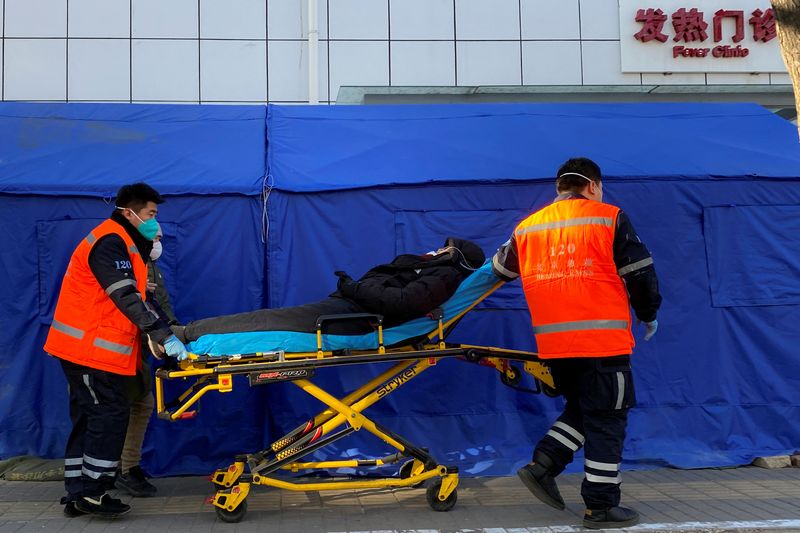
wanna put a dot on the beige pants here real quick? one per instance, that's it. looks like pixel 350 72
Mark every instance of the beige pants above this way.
pixel 137 426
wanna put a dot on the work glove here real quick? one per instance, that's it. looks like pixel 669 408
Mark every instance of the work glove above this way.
pixel 346 284
pixel 650 329
pixel 175 348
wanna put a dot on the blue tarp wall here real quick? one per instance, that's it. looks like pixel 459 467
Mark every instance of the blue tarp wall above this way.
pixel 714 190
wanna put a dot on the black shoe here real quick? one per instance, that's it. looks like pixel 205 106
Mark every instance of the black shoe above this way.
pixel 610 518
pixel 135 483
pixel 542 485
pixel 104 506
pixel 70 511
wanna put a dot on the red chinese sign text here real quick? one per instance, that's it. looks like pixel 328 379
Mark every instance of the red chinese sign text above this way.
pixel 690 26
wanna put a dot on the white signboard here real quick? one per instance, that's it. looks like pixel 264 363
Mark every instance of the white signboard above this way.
pixel 698 36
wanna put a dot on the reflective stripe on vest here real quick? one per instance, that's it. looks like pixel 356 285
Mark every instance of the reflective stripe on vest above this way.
pixel 113 346
pixel 68 330
pixel 581 325
pixel 558 224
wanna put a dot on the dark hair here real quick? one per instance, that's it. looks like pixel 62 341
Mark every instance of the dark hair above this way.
pixel 578 165
pixel 469 254
pixel 136 196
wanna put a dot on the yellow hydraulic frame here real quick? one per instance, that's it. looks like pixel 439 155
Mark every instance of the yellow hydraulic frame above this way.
pixel 233 483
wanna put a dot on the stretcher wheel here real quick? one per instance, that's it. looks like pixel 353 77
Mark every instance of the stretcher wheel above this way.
pixel 432 495
pixel 550 391
pixel 234 516
pixel 472 356
pixel 405 472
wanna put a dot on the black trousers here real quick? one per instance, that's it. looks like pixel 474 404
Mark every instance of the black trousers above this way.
pixel 599 393
pixel 99 410
pixel 301 318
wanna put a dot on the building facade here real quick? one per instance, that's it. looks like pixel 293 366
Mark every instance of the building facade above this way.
pixel 255 51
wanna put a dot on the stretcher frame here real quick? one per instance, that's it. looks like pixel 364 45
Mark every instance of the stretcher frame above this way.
pixel 215 374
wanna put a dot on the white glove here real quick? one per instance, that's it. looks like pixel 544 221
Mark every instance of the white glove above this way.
pixel 650 329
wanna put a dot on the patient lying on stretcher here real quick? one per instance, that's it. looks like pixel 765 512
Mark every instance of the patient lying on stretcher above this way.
pixel 408 287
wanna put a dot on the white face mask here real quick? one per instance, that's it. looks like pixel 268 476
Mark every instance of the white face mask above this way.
pixel 155 253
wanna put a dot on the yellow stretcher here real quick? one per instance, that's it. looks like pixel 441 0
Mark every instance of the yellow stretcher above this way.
pixel 342 416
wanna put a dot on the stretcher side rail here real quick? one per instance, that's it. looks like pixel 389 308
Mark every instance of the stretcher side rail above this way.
pixel 322 319
pixel 487 356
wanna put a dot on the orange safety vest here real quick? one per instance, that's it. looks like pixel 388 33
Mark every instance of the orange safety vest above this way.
pixel 578 303
pixel 88 329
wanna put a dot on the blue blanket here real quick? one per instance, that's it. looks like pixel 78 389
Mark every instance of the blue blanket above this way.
pixel 467 293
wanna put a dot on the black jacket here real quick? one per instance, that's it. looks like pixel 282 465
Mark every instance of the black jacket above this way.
pixel 110 263
pixel 160 297
pixel 407 288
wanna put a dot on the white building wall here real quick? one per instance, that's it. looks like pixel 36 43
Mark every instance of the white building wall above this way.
pixel 249 51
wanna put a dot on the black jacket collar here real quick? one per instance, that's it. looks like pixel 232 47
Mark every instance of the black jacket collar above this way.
pixel 569 196
pixel 143 245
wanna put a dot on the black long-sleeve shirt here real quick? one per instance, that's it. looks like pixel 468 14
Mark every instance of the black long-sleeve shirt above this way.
pixel 631 257
pixel 111 265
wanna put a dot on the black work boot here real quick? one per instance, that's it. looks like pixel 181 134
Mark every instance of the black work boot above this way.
pixel 104 506
pixel 613 517
pixel 135 483
pixel 540 482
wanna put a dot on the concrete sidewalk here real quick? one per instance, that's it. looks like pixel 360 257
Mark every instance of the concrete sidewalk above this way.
pixel 740 499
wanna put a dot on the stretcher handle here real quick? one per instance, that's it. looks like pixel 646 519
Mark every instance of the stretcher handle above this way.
pixel 349 316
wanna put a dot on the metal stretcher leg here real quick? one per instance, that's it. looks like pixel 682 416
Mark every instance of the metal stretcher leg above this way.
pixel 227 477
pixel 326 415
pixel 323 430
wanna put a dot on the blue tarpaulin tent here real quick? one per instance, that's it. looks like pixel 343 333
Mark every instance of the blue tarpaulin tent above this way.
pixel 714 190
pixel 60 166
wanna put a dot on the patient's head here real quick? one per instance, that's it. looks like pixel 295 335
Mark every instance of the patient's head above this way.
pixel 466 254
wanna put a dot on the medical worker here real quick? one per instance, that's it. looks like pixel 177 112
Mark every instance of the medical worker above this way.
pixel 96 333
pixel 132 478
pixel 582 267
